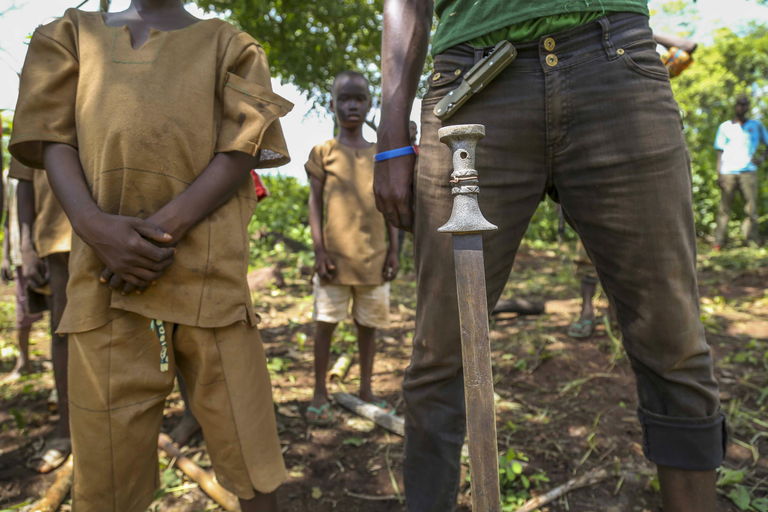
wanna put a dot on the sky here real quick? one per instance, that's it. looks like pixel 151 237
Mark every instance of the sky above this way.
pixel 303 127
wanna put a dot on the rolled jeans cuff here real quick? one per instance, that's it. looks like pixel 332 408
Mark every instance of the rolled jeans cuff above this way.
pixel 693 444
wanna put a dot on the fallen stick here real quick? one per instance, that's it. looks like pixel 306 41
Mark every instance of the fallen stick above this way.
pixel 371 497
pixel 590 478
pixel 340 368
pixel 394 424
pixel 203 478
pixel 57 492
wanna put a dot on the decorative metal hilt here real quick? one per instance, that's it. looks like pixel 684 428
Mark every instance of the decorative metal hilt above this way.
pixel 466 216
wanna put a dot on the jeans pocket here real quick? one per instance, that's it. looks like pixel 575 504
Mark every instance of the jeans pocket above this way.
pixel 445 77
pixel 642 58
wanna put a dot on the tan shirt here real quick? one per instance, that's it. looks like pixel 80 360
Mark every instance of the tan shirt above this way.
pixel 147 122
pixel 354 231
pixel 52 231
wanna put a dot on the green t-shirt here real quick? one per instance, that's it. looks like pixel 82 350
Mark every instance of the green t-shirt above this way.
pixel 463 21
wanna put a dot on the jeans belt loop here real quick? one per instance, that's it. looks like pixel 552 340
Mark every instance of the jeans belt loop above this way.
pixel 479 54
pixel 605 25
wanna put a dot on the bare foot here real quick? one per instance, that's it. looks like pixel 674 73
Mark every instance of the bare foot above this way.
pixel 368 396
pixel 185 430
pixel 18 371
pixel 52 455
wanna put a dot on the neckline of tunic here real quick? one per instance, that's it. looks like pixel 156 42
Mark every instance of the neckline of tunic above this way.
pixel 353 148
pixel 152 30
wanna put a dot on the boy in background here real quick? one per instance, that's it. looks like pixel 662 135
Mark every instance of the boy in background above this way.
pixel 352 257
pixel 46 240
pixel 10 270
pixel 148 122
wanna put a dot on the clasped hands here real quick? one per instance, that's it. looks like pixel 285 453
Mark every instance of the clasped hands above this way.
pixel 135 252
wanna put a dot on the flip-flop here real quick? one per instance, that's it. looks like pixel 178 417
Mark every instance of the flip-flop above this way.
pixel 321 416
pixel 581 329
pixel 383 404
pixel 52 455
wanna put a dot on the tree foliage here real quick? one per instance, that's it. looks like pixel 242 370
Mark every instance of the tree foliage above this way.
pixel 308 43
pixel 279 227
pixel 733 64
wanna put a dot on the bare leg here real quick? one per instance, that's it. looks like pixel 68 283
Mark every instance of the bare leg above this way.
pixel 588 289
pixel 366 345
pixel 584 326
pixel 687 491
pixel 261 503
pixel 323 336
pixel 58 269
pixel 22 362
pixel 188 426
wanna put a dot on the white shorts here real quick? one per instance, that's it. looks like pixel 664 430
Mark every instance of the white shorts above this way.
pixel 370 304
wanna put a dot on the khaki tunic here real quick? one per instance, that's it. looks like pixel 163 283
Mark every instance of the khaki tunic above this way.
pixel 354 231
pixel 147 122
pixel 52 231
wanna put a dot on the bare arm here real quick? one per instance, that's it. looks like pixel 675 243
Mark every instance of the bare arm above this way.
pixel 324 265
pixel 6 273
pixel 392 262
pixel 32 267
pixel 5 268
pixel 123 244
pixel 719 160
pixel 403 51
pixel 668 41
pixel 216 185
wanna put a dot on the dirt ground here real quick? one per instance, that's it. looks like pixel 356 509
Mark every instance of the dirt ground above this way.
pixel 565 408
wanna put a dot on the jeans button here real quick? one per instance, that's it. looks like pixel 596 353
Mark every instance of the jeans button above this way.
pixel 551 60
pixel 549 44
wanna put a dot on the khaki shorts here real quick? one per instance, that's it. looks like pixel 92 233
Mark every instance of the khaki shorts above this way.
pixel 370 304
pixel 117 394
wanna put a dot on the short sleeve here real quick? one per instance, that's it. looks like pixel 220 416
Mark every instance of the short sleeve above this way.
pixel 45 110
pixel 250 111
pixel 20 171
pixel 763 134
pixel 720 139
pixel 314 165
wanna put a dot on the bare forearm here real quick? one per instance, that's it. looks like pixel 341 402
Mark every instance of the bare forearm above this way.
pixel 67 180
pixel 679 42
pixel 719 161
pixel 126 245
pixel 316 213
pixel 6 237
pixel 25 209
pixel 403 51
pixel 216 185
pixel 394 241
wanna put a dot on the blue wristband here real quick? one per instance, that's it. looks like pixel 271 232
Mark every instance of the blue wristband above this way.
pixel 394 153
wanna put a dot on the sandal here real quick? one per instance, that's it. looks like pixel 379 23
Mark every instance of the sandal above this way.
pixel 320 416
pixel 384 405
pixel 581 328
pixel 52 455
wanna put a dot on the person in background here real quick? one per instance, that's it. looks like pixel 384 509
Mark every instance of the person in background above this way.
pixel 356 253
pixel 737 143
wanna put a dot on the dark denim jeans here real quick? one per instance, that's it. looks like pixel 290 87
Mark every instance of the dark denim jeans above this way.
pixel 593 123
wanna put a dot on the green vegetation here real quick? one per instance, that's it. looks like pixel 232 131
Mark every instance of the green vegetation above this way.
pixel 309 43
pixel 279 228
pixel 733 64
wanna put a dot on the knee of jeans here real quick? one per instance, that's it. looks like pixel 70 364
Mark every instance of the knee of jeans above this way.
pixel 436 407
